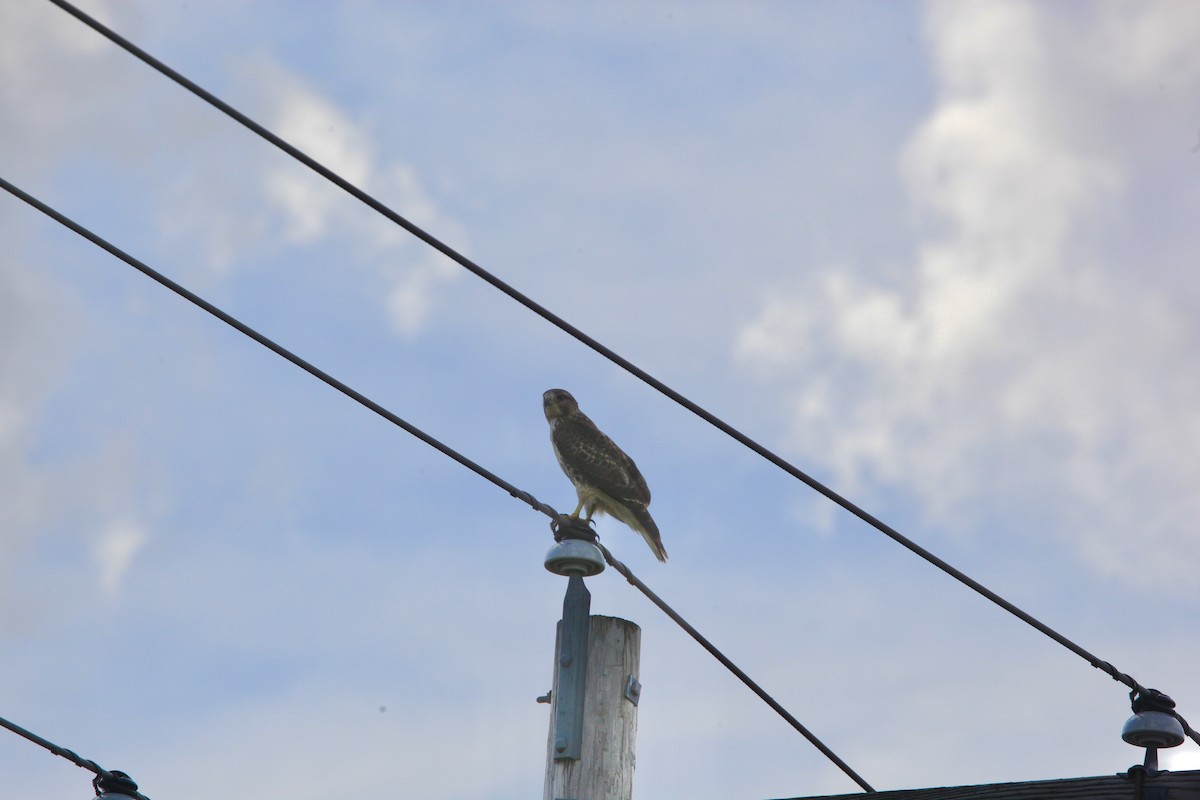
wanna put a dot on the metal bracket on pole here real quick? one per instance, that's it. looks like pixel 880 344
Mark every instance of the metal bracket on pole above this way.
pixel 633 689
pixel 572 671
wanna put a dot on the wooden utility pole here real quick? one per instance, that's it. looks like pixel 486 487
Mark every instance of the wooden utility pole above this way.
pixel 593 704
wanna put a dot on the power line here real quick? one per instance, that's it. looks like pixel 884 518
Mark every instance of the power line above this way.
pixel 612 356
pixel 445 449
pixel 69 755
pixel 729 665
pixel 278 349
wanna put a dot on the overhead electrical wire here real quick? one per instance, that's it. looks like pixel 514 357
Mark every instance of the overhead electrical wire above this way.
pixel 69 755
pixel 445 449
pixel 278 349
pixel 729 665
pixel 611 355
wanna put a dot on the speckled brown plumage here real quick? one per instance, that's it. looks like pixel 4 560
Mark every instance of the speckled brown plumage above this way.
pixel 606 479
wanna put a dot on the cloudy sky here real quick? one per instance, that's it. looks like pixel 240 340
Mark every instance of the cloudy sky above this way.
pixel 940 256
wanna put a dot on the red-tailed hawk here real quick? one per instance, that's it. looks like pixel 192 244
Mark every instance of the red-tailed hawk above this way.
pixel 606 480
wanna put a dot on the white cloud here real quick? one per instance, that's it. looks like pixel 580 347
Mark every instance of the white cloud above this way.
pixel 1016 359
pixel 239 202
pixel 311 208
pixel 40 318
pixel 43 45
pixel 33 335
pixel 319 129
pixel 115 550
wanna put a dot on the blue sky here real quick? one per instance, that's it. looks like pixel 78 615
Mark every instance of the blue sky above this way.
pixel 940 256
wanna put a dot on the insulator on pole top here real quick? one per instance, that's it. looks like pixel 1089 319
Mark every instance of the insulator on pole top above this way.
pixel 115 785
pixel 1153 725
pixel 575 552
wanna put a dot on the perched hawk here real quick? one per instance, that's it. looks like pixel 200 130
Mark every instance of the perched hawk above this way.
pixel 606 480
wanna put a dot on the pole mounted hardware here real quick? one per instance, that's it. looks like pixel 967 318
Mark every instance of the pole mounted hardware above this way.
pixel 575 551
pixel 115 785
pixel 572 671
pixel 633 689
pixel 1154 724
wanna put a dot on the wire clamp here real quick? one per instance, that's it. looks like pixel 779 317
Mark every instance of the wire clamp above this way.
pixel 564 527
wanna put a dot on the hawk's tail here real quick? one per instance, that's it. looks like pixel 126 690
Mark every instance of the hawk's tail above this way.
pixel 649 531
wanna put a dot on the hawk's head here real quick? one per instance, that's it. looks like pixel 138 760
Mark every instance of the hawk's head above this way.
pixel 558 403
